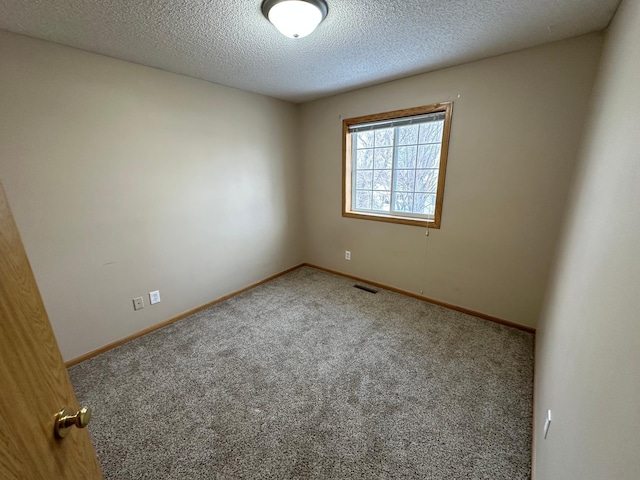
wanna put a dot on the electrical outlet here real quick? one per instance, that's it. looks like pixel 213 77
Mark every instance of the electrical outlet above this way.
pixel 547 423
pixel 138 303
pixel 154 297
pixel 347 255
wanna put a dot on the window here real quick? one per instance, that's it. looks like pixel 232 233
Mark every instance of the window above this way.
pixel 395 163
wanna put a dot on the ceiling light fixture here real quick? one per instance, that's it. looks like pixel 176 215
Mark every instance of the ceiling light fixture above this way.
pixel 295 18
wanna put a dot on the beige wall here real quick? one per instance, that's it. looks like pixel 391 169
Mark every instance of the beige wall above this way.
pixel 124 179
pixel 588 345
pixel 517 121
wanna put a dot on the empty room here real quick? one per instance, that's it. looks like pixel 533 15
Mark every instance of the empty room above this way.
pixel 320 239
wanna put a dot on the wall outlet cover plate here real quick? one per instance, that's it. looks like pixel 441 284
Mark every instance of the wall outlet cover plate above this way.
pixel 154 297
pixel 138 303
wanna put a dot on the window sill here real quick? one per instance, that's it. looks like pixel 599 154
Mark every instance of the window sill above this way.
pixel 381 217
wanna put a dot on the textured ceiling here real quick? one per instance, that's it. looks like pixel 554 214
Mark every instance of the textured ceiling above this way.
pixel 360 42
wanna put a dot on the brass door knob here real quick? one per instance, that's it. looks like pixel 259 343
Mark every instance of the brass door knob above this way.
pixel 66 418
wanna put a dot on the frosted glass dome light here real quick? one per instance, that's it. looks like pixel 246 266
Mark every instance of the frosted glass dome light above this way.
pixel 295 18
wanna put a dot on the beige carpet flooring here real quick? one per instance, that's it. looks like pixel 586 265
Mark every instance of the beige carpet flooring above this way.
pixel 306 377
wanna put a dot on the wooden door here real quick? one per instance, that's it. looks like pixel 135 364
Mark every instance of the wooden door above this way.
pixel 34 384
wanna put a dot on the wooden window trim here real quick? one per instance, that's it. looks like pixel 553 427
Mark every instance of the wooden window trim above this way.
pixel 347 211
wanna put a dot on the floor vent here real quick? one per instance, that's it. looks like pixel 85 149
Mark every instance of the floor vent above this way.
pixel 366 289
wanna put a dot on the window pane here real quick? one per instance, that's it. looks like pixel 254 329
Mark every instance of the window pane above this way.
pixel 363 199
pixel 364 139
pixel 381 201
pixel 382 179
pixel 382 158
pixel 363 179
pixel 428 156
pixel 431 132
pixel 404 180
pixel 406 157
pixel 395 163
pixel 425 204
pixel 384 137
pixel 403 202
pixel 427 181
pixel 364 158
pixel 408 135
